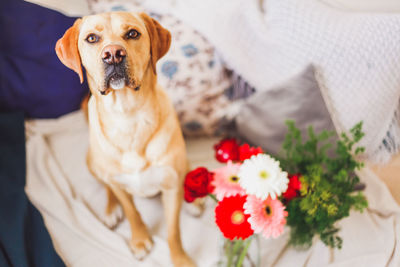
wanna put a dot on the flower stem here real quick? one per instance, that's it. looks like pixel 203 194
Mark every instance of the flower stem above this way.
pixel 244 252
pixel 237 245
pixel 230 254
pixel 213 197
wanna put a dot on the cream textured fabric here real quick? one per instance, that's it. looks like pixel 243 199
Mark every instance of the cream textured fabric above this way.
pixel 366 5
pixel 68 7
pixel 72 204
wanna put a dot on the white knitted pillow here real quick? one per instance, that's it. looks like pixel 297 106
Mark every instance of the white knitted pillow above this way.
pixel 358 61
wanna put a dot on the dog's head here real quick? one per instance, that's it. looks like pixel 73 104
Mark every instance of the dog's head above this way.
pixel 116 49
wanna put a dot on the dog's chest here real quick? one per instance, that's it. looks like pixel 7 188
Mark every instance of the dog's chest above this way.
pixel 128 133
pixel 120 138
pixel 124 129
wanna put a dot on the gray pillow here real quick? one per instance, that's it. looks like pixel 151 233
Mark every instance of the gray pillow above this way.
pixel 261 120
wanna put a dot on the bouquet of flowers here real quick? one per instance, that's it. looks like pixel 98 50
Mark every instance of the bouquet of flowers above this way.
pixel 309 188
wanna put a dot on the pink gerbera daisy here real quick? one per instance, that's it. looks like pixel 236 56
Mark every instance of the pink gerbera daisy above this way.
pixel 267 216
pixel 226 181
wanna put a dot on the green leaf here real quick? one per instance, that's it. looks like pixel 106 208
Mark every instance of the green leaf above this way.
pixel 328 180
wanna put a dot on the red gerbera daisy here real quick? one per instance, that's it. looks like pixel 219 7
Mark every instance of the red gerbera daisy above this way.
pixel 230 218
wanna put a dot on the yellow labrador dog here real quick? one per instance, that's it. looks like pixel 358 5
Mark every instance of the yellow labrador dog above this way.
pixel 135 142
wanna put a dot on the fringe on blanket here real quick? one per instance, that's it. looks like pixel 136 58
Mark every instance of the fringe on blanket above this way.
pixel 391 143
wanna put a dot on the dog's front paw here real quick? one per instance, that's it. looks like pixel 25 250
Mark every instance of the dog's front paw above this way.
pixel 141 247
pixel 183 261
pixel 114 218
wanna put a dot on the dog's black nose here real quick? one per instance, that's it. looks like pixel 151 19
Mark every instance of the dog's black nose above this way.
pixel 113 54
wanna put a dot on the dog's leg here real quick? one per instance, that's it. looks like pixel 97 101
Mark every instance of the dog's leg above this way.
pixel 112 201
pixel 172 201
pixel 114 212
pixel 141 242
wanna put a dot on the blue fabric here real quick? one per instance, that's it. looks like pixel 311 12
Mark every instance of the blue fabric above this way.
pixel 32 79
pixel 24 241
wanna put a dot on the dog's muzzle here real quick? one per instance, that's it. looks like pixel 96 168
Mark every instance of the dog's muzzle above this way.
pixel 116 76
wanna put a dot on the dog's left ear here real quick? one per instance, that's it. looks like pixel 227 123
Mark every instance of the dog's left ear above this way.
pixel 67 49
pixel 160 39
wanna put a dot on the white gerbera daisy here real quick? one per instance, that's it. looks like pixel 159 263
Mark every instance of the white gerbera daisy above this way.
pixel 262 176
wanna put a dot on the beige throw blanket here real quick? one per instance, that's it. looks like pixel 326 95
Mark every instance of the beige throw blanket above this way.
pixel 72 203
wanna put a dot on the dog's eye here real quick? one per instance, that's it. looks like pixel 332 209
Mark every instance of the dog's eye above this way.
pixel 132 34
pixel 92 38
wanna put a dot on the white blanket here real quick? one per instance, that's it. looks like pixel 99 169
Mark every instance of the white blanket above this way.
pixel 71 203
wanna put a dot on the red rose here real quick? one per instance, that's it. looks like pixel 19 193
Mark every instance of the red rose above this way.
pixel 227 149
pixel 294 187
pixel 198 184
pixel 246 151
pixel 290 194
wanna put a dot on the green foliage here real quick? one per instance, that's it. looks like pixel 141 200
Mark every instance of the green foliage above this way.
pixel 328 183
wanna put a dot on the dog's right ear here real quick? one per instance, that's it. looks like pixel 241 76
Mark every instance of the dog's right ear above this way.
pixel 67 49
pixel 160 39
